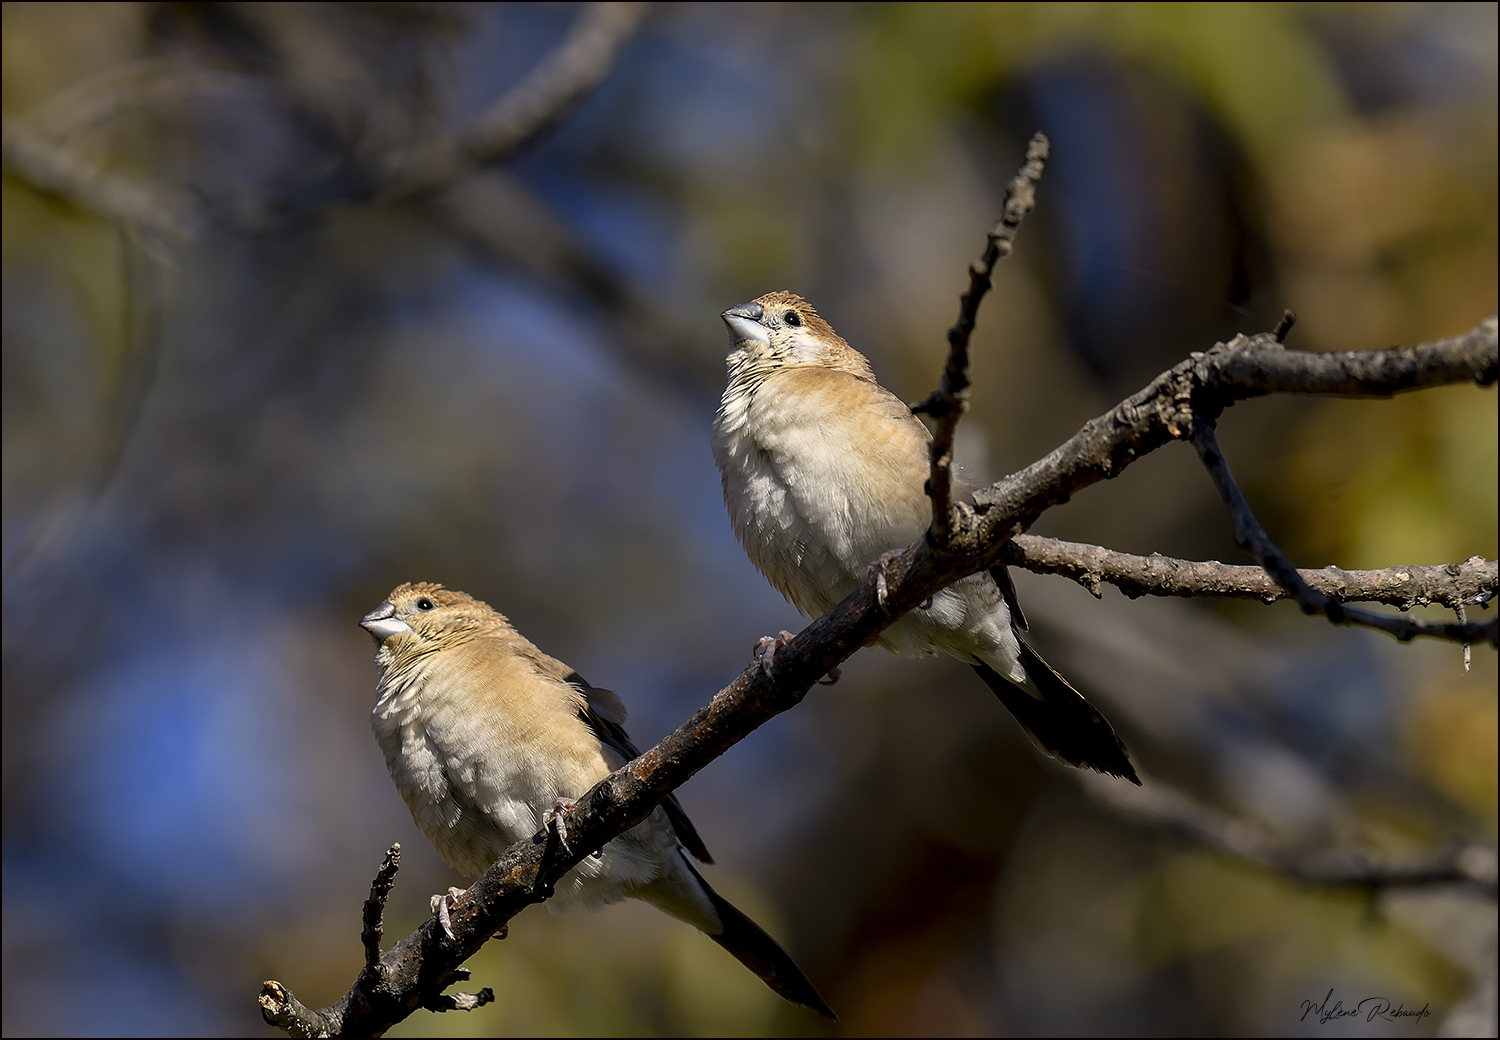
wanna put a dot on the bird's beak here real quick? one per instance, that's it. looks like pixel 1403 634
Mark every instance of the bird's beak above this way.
pixel 382 622
pixel 744 324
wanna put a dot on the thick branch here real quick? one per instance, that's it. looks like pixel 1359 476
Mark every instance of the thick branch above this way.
pixel 1452 585
pixel 1165 808
pixel 1360 373
pixel 950 400
pixel 414 971
pixel 1207 383
pixel 1204 385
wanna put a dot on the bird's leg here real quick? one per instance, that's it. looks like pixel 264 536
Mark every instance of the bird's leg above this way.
pixel 557 817
pixel 877 571
pixel 766 647
pixel 441 905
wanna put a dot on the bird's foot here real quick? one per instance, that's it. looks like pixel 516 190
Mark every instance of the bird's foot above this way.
pixel 442 904
pixel 557 818
pixel 877 572
pixel 766 647
pixel 832 677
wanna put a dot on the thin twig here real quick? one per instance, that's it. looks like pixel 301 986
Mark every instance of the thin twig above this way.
pixel 373 914
pixel 950 400
pixel 1166 808
pixel 1476 581
pixel 1251 536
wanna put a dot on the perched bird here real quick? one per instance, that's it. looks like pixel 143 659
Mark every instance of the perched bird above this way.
pixel 489 740
pixel 824 473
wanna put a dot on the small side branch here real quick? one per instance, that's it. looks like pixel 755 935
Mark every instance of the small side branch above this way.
pixel 1162 807
pixel 1251 536
pixel 374 909
pixel 1200 388
pixel 950 400
pixel 1476 581
pixel 281 1009
pixel 458 1001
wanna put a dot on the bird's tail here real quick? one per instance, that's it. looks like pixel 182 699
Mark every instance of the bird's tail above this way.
pixel 1058 718
pixel 756 950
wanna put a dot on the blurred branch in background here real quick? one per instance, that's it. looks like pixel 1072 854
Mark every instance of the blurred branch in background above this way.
pixel 1160 806
pixel 547 94
pixel 150 206
pixel 537 103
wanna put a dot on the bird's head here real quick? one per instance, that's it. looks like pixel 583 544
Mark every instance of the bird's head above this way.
pixel 423 617
pixel 781 330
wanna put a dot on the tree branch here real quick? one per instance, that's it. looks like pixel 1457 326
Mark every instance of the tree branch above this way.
pixel 950 400
pixel 538 102
pixel 415 970
pixel 1251 536
pixel 542 99
pixel 143 204
pixel 1167 409
pixel 1476 581
pixel 1207 383
pixel 374 910
pixel 1168 809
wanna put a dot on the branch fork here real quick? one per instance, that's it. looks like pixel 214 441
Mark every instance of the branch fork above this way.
pixel 1179 404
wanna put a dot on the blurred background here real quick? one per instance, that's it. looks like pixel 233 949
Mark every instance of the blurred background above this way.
pixel 226 442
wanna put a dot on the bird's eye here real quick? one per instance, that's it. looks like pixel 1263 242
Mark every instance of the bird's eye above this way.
pixel 424 603
pixel 792 318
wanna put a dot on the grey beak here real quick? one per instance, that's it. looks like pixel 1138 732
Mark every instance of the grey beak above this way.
pixel 753 311
pixel 745 325
pixel 383 623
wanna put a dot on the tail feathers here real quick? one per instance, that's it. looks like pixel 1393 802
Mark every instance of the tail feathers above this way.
pixel 756 950
pixel 1060 720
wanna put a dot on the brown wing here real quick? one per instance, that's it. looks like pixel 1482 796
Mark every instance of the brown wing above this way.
pixel 598 706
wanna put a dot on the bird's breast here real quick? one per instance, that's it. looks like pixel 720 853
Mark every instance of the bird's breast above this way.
pixel 822 473
pixel 477 768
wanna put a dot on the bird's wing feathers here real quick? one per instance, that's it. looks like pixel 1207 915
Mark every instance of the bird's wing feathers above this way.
pixel 1001 576
pixel 1058 718
pixel 603 712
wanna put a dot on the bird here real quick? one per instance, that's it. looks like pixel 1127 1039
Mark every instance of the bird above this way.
pixel 489 741
pixel 824 476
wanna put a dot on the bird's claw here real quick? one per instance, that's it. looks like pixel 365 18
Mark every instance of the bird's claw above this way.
pixel 557 818
pixel 442 904
pixel 877 572
pixel 766 647
pixel 832 677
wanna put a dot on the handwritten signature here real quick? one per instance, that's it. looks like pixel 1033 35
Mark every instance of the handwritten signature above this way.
pixel 1369 1009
